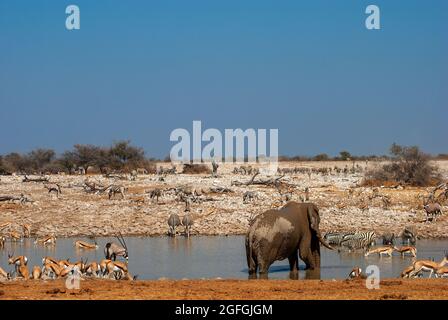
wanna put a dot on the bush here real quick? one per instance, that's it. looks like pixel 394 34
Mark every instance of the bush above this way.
pixel 196 169
pixel 408 165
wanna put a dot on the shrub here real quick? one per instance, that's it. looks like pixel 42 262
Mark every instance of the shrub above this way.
pixel 196 169
pixel 408 165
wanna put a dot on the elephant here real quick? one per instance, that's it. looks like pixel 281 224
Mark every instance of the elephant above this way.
pixel 288 232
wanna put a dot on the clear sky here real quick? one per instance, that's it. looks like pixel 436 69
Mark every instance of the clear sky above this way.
pixel 139 69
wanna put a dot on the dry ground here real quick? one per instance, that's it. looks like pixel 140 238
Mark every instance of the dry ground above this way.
pixel 228 289
pixel 344 204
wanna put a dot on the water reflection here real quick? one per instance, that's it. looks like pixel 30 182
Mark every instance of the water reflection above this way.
pixel 212 257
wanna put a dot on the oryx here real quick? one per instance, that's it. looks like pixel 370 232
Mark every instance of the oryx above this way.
pixel 112 250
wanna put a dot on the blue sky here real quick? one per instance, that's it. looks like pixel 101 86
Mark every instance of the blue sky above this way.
pixel 139 69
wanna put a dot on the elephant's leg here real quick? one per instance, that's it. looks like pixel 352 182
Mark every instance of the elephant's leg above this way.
pixel 315 252
pixel 263 267
pixel 306 254
pixel 294 265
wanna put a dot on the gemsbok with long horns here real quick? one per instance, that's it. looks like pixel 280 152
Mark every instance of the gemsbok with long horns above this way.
pixel 112 250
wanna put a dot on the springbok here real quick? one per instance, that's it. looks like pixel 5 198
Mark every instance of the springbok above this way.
pixel 17 261
pixel 356 273
pixel 51 270
pixel 442 272
pixel 92 269
pixel 2 242
pixel 4 275
pixel 406 273
pixel 117 270
pixel 427 265
pixel 387 250
pixel 15 236
pixel 49 240
pixel 26 228
pixel 406 249
pixel 37 273
pixel 85 245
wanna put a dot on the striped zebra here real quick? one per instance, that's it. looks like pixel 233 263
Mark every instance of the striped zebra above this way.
pixel 359 240
pixel 336 238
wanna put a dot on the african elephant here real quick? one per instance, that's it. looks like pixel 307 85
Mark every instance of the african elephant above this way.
pixel 280 234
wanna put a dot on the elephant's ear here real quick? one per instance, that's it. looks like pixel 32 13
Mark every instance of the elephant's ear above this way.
pixel 313 217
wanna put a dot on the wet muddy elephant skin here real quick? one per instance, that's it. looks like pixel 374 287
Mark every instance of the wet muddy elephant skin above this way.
pixel 289 232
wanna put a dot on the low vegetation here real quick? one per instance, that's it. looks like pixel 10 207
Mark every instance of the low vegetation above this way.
pixel 407 166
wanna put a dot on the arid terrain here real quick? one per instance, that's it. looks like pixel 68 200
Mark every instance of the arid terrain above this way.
pixel 397 289
pixel 344 204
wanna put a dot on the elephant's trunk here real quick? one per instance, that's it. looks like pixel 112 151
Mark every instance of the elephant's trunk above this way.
pixel 324 243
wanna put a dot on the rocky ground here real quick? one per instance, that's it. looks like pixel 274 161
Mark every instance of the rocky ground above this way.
pixel 395 289
pixel 344 204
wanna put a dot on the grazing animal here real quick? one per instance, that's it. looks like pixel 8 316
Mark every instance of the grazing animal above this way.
pixel 36 273
pixel 249 196
pixel 23 272
pixel 49 240
pixel 156 194
pixel 116 189
pixel 356 273
pixel 2 242
pixel 441 272
pixel 406 273
pixel 187 222
pixel 15 236
pixel 4 275
pixel 388 239
pixel 26 228
pixel 54 187
pixel 116 269
pixel 103 265
pixel 406 249
pixel 409 235
pixel 336 237
pixel 51 270
pixel 85 245
pixel 427 265
pixel 359 240
pixel 173 222
pixel 381 251
pixel 113 250
pixel 432 210
pixel 92 269
pixel 17 261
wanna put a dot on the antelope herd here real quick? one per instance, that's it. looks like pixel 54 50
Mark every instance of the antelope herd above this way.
pixel 51 268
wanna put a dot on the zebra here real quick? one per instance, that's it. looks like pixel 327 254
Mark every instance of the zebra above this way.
pixel 336 237
pixel 173 222
pixel 359 240
pixel 116 189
